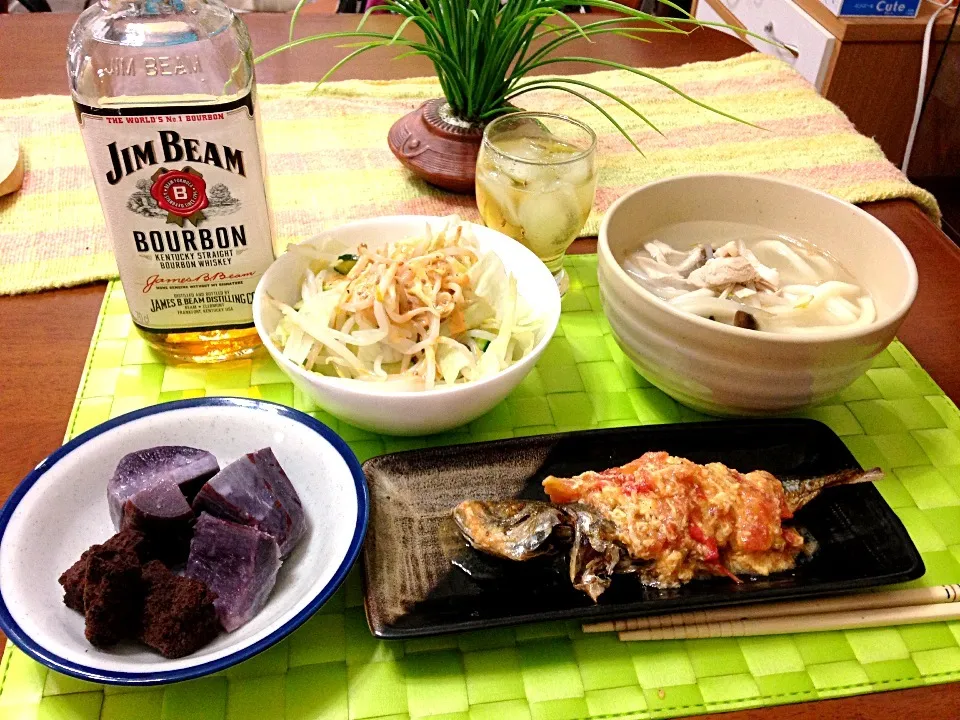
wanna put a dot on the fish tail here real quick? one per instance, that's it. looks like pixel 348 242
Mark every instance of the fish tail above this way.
pixel 852 477
pixel 800 493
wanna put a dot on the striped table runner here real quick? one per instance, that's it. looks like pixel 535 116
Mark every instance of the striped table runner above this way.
pixel 329 162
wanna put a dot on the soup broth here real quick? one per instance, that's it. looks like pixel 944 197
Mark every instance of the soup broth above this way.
pixel 761 282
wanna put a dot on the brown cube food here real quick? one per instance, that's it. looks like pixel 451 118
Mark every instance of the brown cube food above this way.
pixel 178 612
pixel 133 541
pixel 72 579
pixel 112 596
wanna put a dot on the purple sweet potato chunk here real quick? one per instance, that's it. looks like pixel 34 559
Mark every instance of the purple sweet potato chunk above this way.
pixel 164 516
pixel 254 490
pixel 186 467
pixel 237 562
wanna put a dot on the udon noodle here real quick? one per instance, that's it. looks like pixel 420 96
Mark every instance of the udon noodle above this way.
pixel 766 283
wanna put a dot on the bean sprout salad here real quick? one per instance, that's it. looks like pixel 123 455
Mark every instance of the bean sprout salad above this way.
pixel 416 314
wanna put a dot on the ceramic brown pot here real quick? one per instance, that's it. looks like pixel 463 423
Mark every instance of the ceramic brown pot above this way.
pixel 437 146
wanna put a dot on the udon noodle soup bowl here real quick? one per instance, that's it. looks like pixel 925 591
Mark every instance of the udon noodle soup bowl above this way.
pixel 724 370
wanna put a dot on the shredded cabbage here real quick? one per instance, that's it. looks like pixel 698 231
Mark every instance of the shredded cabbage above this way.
pixel 415 314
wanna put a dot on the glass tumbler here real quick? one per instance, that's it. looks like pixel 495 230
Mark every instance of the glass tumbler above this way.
pixel 536 180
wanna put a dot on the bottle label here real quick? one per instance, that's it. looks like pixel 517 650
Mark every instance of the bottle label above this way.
pixel 183 195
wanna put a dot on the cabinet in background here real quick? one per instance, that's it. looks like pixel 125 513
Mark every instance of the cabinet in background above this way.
pixel 869 67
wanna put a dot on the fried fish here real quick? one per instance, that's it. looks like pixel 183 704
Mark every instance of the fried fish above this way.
pixel 666 518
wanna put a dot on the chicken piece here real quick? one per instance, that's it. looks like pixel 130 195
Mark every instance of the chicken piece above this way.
pixel 682 260
pixel 694 259
pixel 729 249
pixel 723 272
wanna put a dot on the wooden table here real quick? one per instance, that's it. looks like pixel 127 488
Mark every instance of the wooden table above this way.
pixel 47 334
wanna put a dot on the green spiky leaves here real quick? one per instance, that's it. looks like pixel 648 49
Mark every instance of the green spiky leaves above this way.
pixel 483 50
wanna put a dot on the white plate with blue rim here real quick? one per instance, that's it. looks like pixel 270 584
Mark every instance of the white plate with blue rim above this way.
pixel 60 509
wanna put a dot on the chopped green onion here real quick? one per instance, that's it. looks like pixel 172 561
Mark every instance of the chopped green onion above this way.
pixel 345 263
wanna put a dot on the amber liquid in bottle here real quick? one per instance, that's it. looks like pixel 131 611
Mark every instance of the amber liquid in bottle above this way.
pixel 204 346
pixel 166 99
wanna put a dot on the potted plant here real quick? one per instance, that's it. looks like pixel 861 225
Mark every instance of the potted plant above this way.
pixel 484 52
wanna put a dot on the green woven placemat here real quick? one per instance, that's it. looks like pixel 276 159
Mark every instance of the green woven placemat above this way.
pixel 333 669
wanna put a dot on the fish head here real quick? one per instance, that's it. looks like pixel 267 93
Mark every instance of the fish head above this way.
pixel 510 529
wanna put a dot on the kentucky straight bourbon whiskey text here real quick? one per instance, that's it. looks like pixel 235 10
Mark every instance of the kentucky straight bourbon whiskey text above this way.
pixel 165 96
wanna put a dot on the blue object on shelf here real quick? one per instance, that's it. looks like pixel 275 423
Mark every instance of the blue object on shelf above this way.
pixel 873 8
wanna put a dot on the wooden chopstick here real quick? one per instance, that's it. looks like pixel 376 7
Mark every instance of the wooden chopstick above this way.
pixel 865 601
pixel 803 623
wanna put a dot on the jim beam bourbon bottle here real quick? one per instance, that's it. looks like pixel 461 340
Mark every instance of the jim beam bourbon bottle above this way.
pixel 164 92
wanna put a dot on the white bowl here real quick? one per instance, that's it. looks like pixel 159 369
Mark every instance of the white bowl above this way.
pixel 367 404
pixel 60 509
pixel 725 370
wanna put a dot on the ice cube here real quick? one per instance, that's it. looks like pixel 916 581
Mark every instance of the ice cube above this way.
pixel 237 562
pixel 524 145
pixel 255 491
pixel 524 175
pixel 498 191
pixel 579 173
pixel 585 195
pixel 550 220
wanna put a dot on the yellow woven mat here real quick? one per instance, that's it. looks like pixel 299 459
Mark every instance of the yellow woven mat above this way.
pixel 329 162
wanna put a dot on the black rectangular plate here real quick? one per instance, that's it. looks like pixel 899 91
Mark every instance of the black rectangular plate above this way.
pixel 412 589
